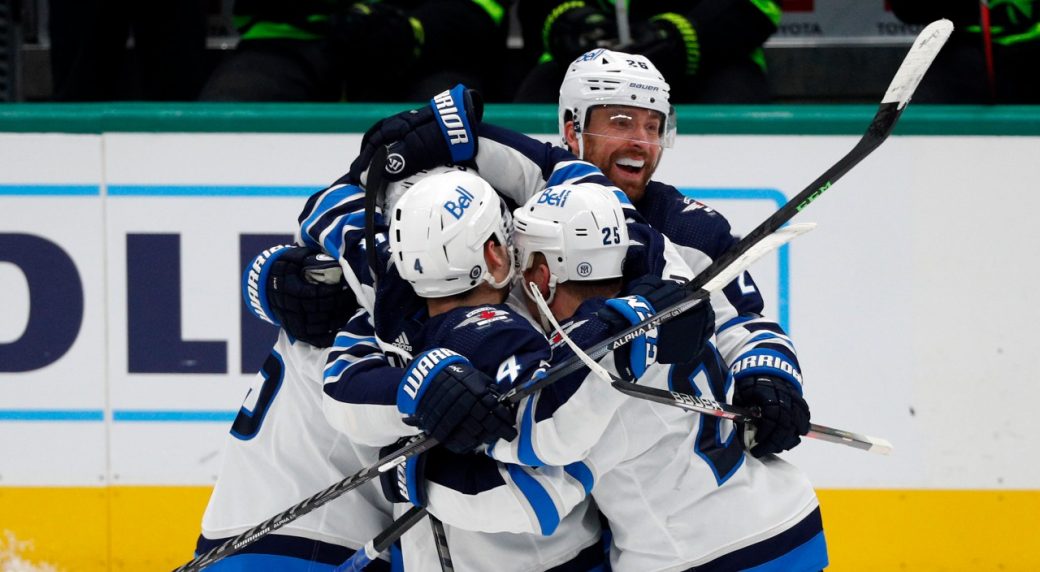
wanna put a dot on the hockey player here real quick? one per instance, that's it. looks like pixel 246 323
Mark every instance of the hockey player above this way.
pixel 677 489
pixel 276 456
pixel 448 242
pixel 615 114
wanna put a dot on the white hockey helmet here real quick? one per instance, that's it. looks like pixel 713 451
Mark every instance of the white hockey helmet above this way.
pixel 438 229
pixel 580 230
pixel 603 77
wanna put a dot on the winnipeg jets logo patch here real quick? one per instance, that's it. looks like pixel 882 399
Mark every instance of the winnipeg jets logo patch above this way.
pixel 694 205
pixel 481 317
pixel 557 338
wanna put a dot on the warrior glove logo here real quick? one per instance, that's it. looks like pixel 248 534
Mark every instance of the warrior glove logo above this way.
pixel 454 126
pixel 394 163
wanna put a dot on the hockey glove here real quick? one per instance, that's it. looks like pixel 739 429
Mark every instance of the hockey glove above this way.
pixel 670 41
pixel 633 358
pixel 453 402
pixel 785 415
pixel 407 482
pixel 440 133
pixel 300 290
pixel 680 339
pixel 570 33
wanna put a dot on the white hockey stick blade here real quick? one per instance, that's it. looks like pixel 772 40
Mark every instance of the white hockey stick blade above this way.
pixel 768 244
pixel 918 59
pixel 857 440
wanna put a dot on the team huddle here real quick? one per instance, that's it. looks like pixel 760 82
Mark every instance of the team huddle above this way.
pixel 488 260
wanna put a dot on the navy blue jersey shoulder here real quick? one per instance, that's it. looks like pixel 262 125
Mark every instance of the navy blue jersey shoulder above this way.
pixel 687 222
pixel 487 335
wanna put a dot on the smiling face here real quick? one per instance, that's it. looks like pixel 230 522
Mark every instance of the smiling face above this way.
pixel 624 142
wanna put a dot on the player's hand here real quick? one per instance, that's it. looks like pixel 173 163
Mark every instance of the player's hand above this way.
pixel 442 132
pixel 577 31
pixel 453 402
pixel 633 358
pixel 300 290
pixel 407 482
pixel 785 414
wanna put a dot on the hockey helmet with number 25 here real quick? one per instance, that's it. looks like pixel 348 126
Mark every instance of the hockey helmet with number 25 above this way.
pixel 438 229
pixel 580 231
pixel 603 77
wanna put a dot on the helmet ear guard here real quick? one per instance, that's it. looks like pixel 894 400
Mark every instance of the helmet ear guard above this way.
pixel 604 77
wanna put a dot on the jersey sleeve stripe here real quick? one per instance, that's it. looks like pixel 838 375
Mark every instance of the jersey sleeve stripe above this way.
pixel 538 498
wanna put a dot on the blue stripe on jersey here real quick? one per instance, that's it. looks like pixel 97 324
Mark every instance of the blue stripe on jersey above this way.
pixel 810 556
pixel 249 562
pixel 525 447
pixel 327 202
pixel 581 472
pixel 571 171
pixel 737 321
pixel 283 552
pixel 622 197
pixel 801 548
pixel 544 508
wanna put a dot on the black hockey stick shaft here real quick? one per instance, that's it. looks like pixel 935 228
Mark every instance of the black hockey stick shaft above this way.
pixel 921 54
pixel 381 543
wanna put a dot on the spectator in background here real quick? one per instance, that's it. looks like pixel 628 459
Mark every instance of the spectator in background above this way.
pixel 328 50
pixel 975 66
pixel 710 51
pixel 90 59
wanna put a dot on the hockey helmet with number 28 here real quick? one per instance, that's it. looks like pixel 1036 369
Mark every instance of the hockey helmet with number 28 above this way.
pixel 438 229
pixel 603 77
pixel 580 231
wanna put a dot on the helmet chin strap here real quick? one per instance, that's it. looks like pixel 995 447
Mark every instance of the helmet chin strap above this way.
pixel 535 294
pixel 550 324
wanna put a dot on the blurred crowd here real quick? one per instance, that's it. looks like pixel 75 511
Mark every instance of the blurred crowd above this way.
pixel 710 51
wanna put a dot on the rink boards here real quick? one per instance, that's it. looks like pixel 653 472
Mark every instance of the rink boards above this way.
pixel 124 352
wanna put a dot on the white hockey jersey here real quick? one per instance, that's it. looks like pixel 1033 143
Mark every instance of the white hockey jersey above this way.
pixel 281 451
pixel 677 488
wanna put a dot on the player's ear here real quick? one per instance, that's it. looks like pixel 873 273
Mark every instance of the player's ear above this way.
pixel 497 259
pixel 570 136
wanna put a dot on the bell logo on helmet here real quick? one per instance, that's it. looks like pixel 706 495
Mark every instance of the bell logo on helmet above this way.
pixel 458 207
pixel 552 198
pixel 394 163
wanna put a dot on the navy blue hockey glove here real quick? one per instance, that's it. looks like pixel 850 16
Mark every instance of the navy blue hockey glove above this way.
pixel 454 402
pixel 300 290
pixel 407 482
pixel 680 339
pixel 785 415
pixel 577 30
pixel 442 132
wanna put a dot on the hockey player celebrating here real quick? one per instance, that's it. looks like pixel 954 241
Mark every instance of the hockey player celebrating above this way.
pixel 449 243
pixel 677 489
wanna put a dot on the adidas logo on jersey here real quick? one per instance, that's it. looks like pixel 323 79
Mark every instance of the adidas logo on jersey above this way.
pixel 403 343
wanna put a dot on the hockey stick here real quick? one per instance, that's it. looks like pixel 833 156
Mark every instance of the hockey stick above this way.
pixel 909 75
pixel 381 543
pixel 700 404
pixel 769 244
